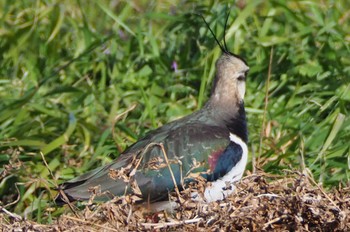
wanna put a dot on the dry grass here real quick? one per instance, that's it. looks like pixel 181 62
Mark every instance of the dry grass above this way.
pixel 263 202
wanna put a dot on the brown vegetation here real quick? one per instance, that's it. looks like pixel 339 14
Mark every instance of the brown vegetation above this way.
pixel 263 202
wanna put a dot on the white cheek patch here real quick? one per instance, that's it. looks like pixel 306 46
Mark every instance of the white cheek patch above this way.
pixel 241 89
pixel 224 186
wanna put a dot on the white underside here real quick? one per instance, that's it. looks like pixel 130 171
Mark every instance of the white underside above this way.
pixel 218 189
pixel 224 186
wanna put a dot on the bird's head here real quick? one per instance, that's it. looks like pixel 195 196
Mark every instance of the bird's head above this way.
pixel 231 72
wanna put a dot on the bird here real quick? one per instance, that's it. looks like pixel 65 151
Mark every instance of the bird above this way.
pixel 210 144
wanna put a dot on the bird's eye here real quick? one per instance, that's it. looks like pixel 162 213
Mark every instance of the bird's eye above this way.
pixel 241 77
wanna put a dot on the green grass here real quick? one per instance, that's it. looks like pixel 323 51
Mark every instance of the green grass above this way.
pixel 69 68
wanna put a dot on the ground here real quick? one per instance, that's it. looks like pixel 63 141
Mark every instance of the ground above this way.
pixel 262 202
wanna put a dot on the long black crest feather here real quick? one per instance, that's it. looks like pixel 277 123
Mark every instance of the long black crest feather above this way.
pixel 227 17
pixel 223 47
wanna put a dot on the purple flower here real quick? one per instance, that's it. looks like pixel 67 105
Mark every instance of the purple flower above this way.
pixel 174 66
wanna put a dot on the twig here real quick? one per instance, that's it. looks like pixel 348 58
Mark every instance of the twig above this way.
pixel 323 192
pixel 274 220
pixel 241 205
pixel 3 208
pixel 166 160
pixel 13 215
pixel 48 168
pixel 270 195
pixel 115 120
pixel 61 192
pixel 166 224
pixel 266 104
pixel 253 159
pixel 17 199
pixel 302 158
pixel 133 172
pixel 66 200
pixel 171 173
pixel 90 223
pixel 129 214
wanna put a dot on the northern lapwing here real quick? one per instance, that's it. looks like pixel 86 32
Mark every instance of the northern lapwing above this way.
pixel 210 143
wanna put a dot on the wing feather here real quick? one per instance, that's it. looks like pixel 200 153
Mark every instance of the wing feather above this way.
pixel 193 149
